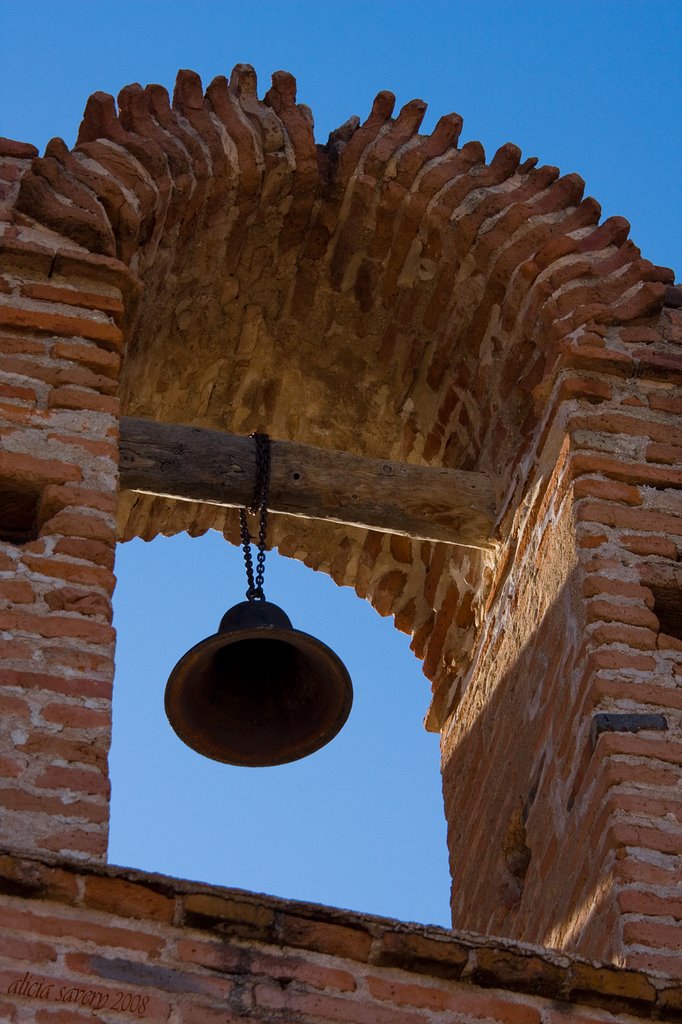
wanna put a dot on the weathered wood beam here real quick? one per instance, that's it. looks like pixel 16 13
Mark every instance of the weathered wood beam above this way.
pixel 394 497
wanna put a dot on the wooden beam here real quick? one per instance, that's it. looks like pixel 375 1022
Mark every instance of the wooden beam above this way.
pixel 423 502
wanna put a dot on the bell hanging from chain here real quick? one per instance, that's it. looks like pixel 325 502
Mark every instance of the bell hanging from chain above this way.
pixel 258 692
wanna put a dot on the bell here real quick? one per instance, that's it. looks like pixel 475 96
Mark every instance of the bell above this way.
pixel 258 692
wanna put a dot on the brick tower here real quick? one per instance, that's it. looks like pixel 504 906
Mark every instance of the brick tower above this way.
pixel 394 296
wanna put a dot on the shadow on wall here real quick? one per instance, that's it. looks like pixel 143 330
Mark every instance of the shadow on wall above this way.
pixel 531 843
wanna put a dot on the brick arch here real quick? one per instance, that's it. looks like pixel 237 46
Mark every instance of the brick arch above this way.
pixel 395 295
pixel 423 299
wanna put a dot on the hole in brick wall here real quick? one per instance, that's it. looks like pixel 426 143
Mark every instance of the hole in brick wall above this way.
pixel 18 511
pixel 668 610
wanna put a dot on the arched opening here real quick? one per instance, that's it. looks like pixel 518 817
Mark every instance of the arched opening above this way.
pixel 358 824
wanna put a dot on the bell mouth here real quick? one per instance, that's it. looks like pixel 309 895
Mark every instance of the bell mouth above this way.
pixel 257 694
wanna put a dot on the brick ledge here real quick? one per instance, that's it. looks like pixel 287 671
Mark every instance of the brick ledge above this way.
pixel 482 961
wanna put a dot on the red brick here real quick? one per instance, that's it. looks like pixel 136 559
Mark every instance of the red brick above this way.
pixel 90 811
pixel 76 717
pixel 12 705
pixel 71 1016
pixel 127 899
pixel 647 838
pixel 422 953
pixel 666 403
pixel 56 497
pixel 653 961
pixel 628 518
pixel 16 592
pixel 329 1008
pixel 632 901
pixel 18 414
pixel 640 745
pixel 65 657
pixel 461 1001
pixel 22 344
pixel 668 643
pixel 628 869
pixel 87 550
pixel 73 297
pixel 653 933
pixel 74 572
pixel 337 940
pixel 11 767
pixel 15 650
pixel 584 387
pixel 649 545
pixel 70 523
pixel 17 150
pixel 58 323
pixel 79 780
pixel 594 585
pixel 52 373
pixel 602 610
pixel 654 807
pixel 100 449
pixel 627 660
pixel 8 1011
pixel 194 1013
pixel 247 916
pixel 55 683
pixel 39 880
pixel 639 692
pixel 611 490
pixel 83 929
pixel 22 949
pixel 76 841
pixel 631 636
pixel 151 974
pixel 592 540
pixel 80 752
pixel 669 454
pixel 7 563
pixel 67 397
pixel 568 1013
pixel 95 358
pixel 24 394
pixel 224 957
pixel 615 422
pixel 57 625
pixel 30 469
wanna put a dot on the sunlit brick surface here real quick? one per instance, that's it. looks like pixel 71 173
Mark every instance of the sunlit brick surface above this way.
pixel 392 295
pixel 116 944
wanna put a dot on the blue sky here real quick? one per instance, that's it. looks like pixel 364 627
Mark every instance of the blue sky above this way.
pixel 593 86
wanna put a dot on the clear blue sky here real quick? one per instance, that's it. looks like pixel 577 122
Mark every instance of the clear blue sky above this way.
pixel 593 87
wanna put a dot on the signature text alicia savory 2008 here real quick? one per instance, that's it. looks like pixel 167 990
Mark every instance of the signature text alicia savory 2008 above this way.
pixel 94 999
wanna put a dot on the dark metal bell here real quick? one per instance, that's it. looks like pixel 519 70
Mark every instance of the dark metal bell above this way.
pixel 258 692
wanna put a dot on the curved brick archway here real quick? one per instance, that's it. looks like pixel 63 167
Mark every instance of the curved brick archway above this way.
pixel 392 295
pixel 423 301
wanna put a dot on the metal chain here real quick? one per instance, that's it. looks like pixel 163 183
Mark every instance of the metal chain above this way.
pixel 257 507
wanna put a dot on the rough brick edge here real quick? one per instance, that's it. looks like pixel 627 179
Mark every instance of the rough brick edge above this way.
pixel 51 254
pixel 484 962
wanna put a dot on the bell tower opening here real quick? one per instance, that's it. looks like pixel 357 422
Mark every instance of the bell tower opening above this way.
pixel 356 824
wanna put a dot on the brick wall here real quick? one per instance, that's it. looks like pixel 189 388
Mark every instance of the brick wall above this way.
pixel 571 717
pixel 60 343
pixel 393 295
pixel 80 943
